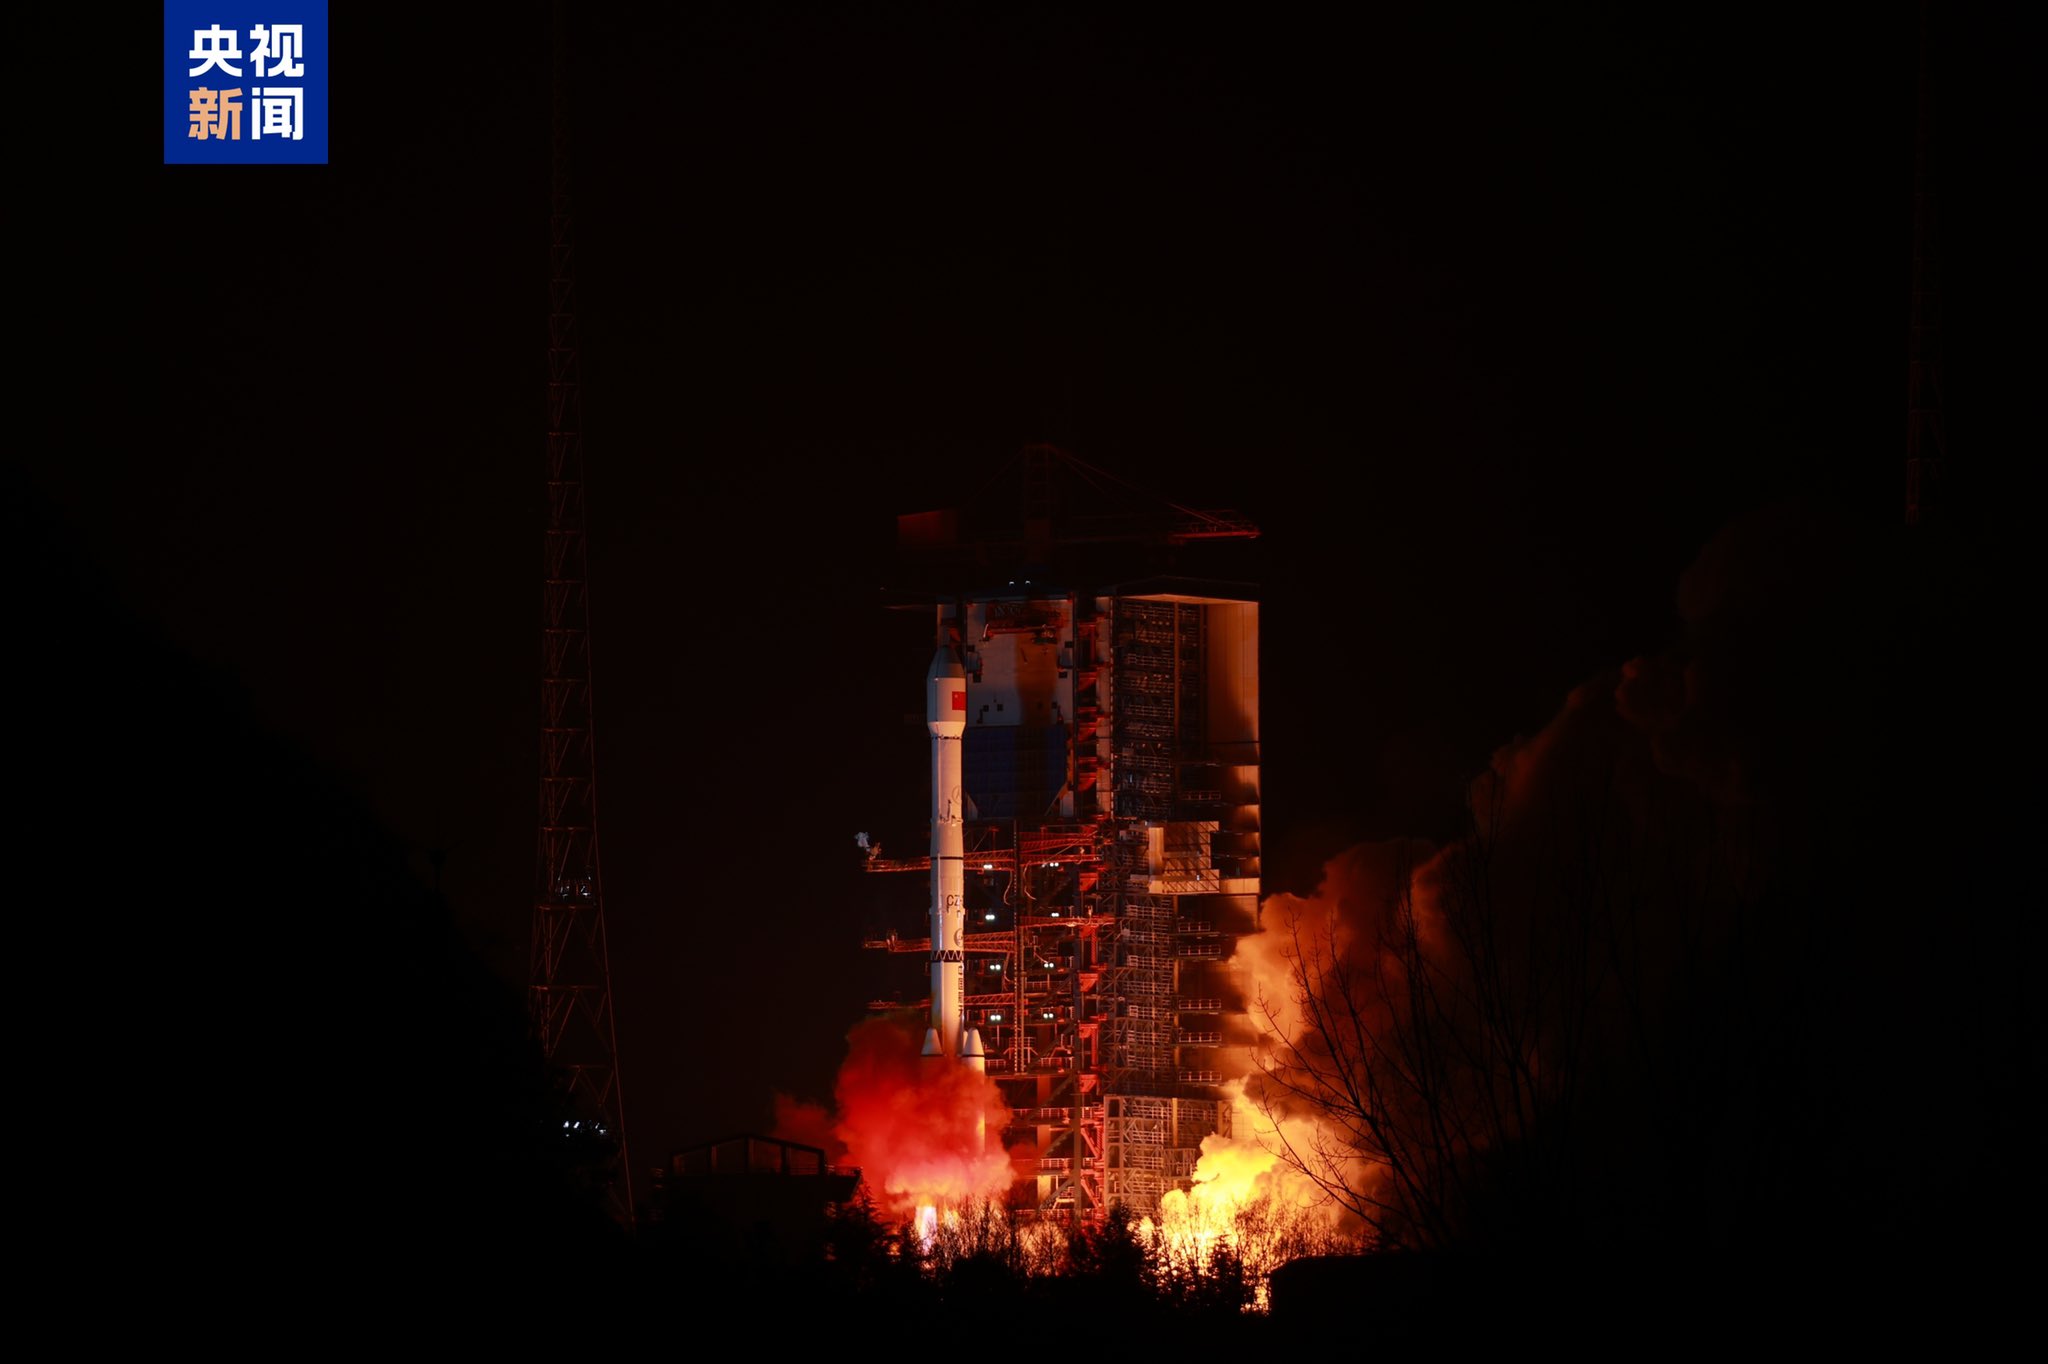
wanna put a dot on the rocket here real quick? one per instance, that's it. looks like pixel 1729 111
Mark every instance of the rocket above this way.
pixel 946 719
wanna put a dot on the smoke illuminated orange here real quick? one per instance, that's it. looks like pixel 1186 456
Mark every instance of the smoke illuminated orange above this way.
pixel 915 1125
pixel 1246 1195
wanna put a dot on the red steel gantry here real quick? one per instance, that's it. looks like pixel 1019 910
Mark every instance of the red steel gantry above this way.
pixel 1111 843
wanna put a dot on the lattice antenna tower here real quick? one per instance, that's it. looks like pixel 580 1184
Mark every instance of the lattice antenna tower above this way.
pixel 569 991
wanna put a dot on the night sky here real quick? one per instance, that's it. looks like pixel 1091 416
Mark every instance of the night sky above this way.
pixel 1489 322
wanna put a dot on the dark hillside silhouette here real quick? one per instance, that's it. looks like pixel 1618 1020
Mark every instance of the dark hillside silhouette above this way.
pixel 282 1072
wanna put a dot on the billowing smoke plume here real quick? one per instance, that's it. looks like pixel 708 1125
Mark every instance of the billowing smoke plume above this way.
pixel 1247 1195
pixel 925 1132
pixel 1664 989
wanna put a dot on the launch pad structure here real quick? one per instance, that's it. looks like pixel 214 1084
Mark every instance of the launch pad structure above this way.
pixel 1092 706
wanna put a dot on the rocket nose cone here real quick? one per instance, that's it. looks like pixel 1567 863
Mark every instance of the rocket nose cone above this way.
pixel 944 664
pixel 931 1043
pixel 970 1045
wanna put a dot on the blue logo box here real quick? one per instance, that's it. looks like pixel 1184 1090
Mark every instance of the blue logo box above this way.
pixel 245 84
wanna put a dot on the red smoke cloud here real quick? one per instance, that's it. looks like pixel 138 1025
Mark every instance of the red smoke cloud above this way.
pixel 924 1131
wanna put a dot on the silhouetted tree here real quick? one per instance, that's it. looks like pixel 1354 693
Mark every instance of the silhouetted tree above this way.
pixel 1695 999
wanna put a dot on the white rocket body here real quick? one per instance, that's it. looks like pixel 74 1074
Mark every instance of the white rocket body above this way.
pixel 946 718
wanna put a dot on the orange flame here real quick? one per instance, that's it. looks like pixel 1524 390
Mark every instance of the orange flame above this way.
pixel 1337 946
pixel 1247 1196
pixel 916 1126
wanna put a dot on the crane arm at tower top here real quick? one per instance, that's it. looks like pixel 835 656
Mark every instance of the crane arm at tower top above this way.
pixel 1182 524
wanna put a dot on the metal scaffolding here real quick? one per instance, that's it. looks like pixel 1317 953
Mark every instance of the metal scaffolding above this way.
pixel 1098 934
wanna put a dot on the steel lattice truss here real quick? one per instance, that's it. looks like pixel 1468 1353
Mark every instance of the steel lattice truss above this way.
pixel 569 978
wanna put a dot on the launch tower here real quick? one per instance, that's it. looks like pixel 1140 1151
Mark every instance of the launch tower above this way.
pixel 1094 686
